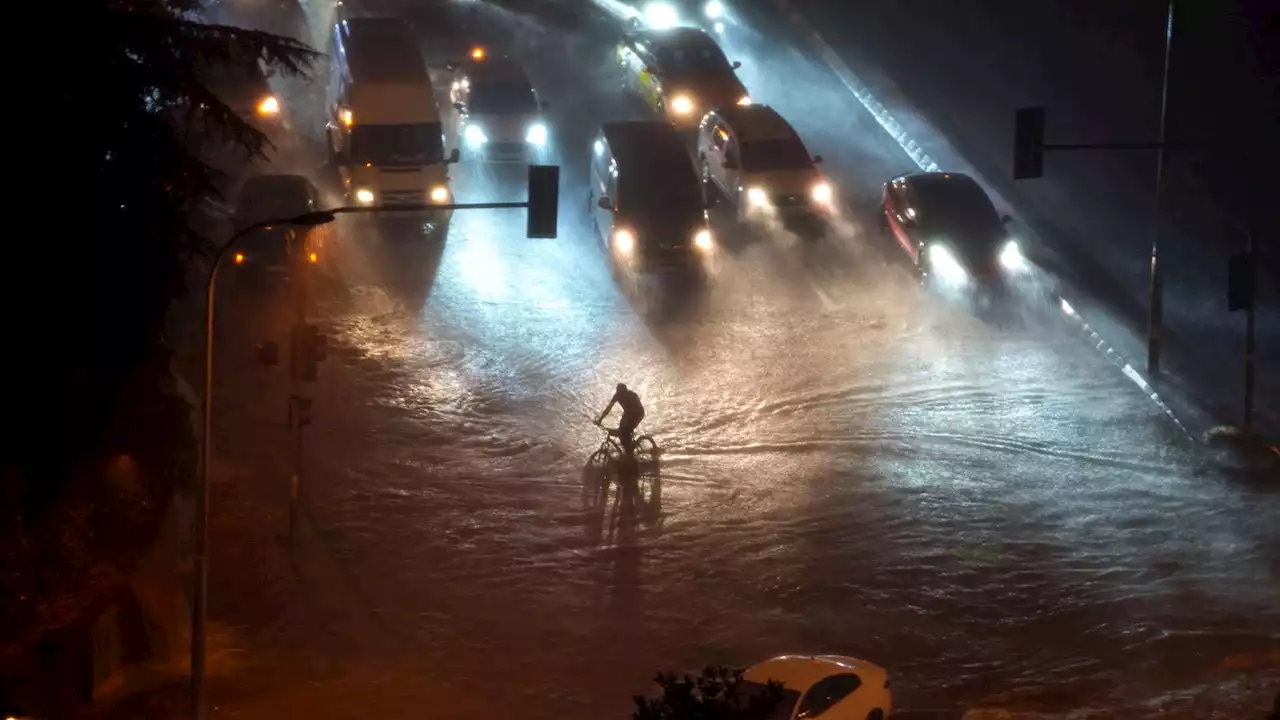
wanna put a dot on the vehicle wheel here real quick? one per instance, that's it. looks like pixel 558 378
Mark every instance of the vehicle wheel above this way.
pixel 710 193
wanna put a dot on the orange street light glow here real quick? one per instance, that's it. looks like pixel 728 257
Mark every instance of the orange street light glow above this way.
pixel 313 258
pixel 239 258
pixel 477 53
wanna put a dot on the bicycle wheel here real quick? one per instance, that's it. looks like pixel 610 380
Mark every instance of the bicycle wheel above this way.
pixel 595 478
pixel 647 451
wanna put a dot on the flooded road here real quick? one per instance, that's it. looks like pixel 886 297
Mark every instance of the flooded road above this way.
pixel 992 512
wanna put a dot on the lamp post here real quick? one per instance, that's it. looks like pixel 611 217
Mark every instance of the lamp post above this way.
pixel 200 591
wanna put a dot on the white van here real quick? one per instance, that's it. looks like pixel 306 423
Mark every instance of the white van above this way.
pixel 384 127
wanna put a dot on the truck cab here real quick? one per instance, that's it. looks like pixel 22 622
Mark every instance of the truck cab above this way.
pixel 384 127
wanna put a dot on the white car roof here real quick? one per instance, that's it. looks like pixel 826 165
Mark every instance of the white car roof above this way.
pixel 799 672
pixel 757 122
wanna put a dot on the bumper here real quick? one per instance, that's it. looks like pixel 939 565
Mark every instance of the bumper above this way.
pixel 506 152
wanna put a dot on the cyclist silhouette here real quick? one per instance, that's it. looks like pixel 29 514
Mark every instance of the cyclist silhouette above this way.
pixel 632 414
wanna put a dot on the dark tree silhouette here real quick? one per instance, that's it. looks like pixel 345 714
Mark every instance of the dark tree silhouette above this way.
pixel 112 185
pixel 714 694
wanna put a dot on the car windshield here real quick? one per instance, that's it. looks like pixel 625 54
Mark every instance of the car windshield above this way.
pixel 782 154
pixel 417 144
pixel 260 202
pixel 960 211
pixel 692 59
pixel 506 98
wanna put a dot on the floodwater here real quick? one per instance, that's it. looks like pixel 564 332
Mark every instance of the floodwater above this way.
pixel 992 511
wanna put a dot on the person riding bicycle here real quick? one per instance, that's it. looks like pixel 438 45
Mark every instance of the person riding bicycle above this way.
pixel 632 414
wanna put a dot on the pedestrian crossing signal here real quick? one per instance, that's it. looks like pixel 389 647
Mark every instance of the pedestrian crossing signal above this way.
pixel 1028 143
pixel 1240 282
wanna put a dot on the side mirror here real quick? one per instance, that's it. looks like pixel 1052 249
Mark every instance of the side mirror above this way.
pixel 730 163
pixel 453 158
pixel 604 203
pixel 460 107
pixel 451 66
pixel 736 64
pixel 1006 219
pixel 817 159
pixel 340 156
pixel 544 105
pixel 650 70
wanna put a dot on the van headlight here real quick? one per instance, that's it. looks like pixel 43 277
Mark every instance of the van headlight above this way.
pixel 661 15
pixel 943 262
pixel 703 240
pixel 714 9
pixel 475 136
pixel 821 193
pixel 624 241
pixel 537 135
pixel 1011 257
pixel 682 104
pixel 757 197
pixel 440 194
pixel 365 196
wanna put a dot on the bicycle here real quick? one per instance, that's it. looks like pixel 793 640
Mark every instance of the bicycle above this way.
pixel 606 462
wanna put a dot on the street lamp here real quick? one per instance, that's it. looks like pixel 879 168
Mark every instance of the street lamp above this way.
pixel 200 594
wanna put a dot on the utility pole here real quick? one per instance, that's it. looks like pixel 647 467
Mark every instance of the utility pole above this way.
pixel 1155 325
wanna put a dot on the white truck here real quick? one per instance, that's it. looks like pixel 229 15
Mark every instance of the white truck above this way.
pixel 384 128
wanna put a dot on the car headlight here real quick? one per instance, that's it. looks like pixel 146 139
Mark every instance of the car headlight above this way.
pixel 821 193
pixel 744 100
pixel 1011 257
pixel 537 134
pixel 944 263
pixel 269 106
pixel 682 104
pixel 757 196
pixel 624 241
pixel 475 136
pixel 714 9
pixel 660 15
pixel 365 196
pixel 440 194
pixel 702 240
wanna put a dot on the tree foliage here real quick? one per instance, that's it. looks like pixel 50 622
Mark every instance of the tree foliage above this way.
pixel 714 694
pixel 113 184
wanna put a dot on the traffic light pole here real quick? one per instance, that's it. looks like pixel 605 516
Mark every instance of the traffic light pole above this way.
pixel 300 281
pixel 1155 322
pixel 1250 339
pixel 1028 163
pixel 543 207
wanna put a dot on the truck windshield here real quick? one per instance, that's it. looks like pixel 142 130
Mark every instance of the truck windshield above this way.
pixel 503 98
pixel 417 144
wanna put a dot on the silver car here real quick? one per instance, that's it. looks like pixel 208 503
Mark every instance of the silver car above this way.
pixel 500 116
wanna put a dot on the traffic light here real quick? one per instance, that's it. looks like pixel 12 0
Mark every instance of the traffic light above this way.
pixel 1240 282
pixel 1028 143
pixel 310 348
pixel 544 201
